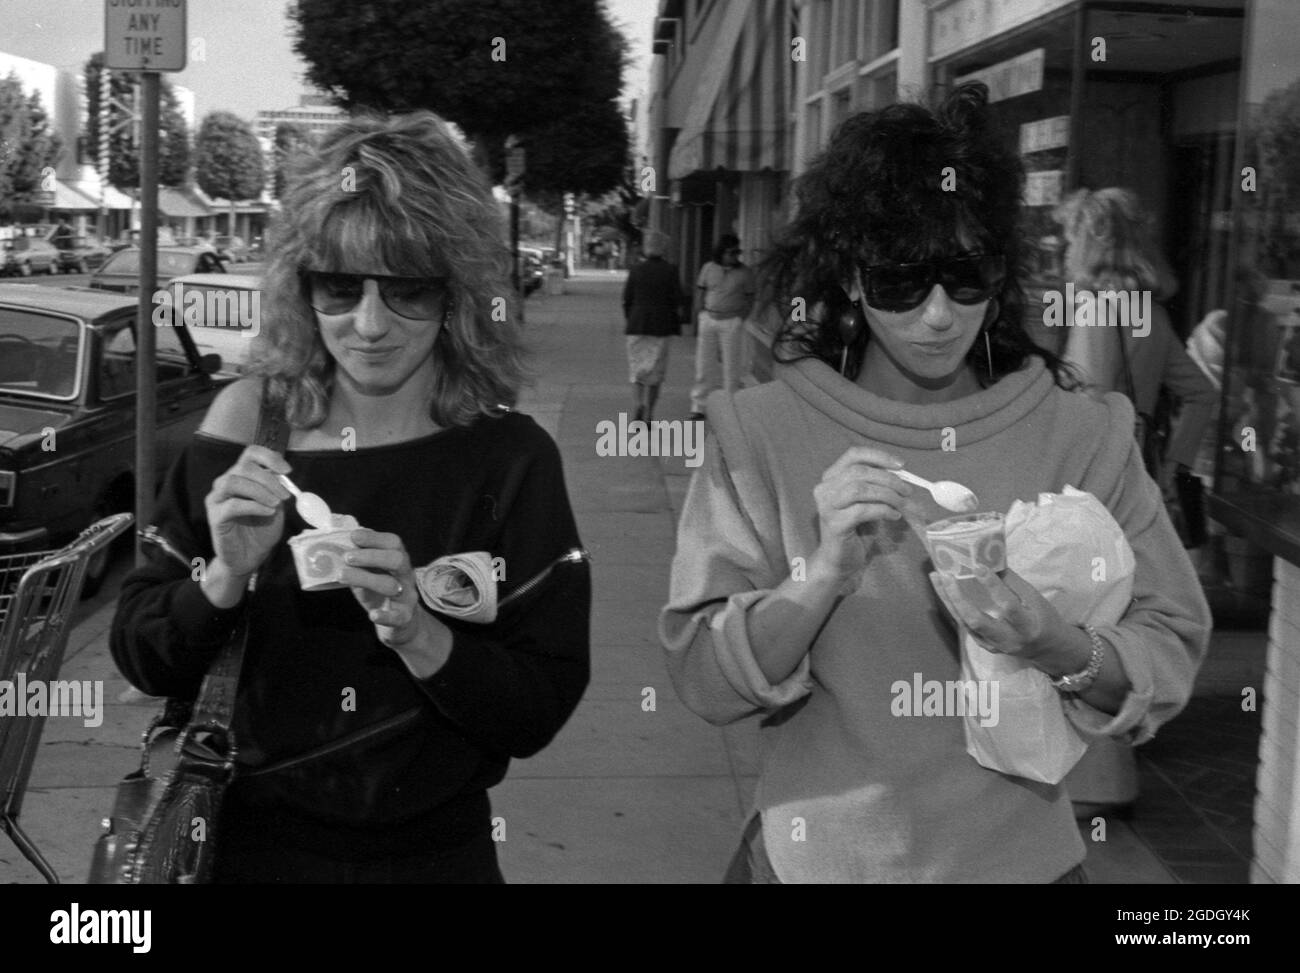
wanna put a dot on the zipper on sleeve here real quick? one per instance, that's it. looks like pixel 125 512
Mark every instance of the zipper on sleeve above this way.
pixel 574 555
pixel 151 535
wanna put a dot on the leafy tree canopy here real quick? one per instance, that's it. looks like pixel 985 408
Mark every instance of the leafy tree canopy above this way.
pixel 549 73
pixel 228 158
pixel 27 145
pixel 124 143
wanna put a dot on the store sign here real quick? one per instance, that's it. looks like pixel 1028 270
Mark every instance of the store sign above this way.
pixel 966 22
pixel 1044 134
pixel 43 197
pixel 1044 188
pixel 1007 79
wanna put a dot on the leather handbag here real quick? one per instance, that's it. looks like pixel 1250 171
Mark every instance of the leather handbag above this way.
pixel 163 827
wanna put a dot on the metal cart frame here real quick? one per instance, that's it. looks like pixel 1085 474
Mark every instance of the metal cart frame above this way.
pixel 39 592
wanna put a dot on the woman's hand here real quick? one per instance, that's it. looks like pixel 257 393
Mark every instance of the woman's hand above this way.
pixel 1014 620
pixel 383 581
pixel 245 511
pixel 856 489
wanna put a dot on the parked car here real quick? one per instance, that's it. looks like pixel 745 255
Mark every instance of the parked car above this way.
pixel 27 255
pixel 231 248
pixel 67 411
pixel 84 255
pixel 221 312
pixel 121 271
pixel 531 269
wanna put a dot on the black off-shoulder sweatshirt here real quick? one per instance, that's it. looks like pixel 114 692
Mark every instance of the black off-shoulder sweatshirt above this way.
pixel 314 670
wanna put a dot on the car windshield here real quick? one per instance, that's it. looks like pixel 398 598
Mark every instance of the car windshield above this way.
pixel 38 354
pixel 170 263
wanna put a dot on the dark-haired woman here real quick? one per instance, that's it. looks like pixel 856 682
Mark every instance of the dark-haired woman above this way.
pixel 799 590
pixel 385 355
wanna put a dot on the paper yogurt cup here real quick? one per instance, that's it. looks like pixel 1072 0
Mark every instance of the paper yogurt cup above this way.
pixel 959 544
pixel 318 556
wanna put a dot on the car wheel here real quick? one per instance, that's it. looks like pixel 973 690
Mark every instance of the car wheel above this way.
pixel 54 268
pixel 101 563
pixel 25 270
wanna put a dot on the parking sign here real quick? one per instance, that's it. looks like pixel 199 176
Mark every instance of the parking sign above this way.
pixel 144 35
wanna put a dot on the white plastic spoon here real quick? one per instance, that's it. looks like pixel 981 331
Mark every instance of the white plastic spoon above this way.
pixel 310 507
pixel 947 494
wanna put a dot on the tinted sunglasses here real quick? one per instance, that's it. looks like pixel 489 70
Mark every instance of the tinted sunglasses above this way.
pixel 968 279
pixel 417 298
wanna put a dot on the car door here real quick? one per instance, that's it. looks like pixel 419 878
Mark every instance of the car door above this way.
pixel 184 392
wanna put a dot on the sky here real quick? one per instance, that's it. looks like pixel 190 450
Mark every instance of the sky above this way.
pixel 249 62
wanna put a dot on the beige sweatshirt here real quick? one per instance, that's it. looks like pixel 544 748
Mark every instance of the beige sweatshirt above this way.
pixel 849 791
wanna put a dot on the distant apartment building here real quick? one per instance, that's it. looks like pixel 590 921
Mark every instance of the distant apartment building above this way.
pixel 313 113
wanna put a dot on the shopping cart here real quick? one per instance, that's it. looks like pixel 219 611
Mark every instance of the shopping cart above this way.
pixel 39 592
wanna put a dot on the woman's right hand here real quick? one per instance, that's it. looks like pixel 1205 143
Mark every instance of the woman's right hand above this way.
pixel 856 489
pixel 245 511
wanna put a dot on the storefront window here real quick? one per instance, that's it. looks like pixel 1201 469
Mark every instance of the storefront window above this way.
pixel 1259 458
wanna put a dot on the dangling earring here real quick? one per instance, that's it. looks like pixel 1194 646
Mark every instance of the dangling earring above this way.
pixel 851 330
pixel 991 316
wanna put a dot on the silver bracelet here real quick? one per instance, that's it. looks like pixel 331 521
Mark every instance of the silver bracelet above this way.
pixel 1079 682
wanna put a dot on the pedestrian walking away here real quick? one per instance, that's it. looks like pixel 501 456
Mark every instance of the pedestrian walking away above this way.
pixel 725 288
pixel 805 589
pixel 653 306
pixel 382 349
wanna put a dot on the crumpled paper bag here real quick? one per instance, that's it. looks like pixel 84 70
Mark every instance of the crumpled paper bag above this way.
pixel 1070 548
pixel 460 585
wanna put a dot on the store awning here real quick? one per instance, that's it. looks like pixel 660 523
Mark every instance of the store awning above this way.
pixel 68 197
pixel 179 205
pixel 738 119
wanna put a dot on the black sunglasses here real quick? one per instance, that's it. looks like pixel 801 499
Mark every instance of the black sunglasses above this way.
pixel 417 298
pixel 968 279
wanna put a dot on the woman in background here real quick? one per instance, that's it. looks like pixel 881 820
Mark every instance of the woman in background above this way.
pixel 1110 247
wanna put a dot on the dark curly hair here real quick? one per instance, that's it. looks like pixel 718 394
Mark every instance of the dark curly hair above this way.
pixel 877 195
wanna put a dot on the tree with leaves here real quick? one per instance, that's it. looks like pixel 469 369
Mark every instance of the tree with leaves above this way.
pixel 548 73
pixel 28 147
pixel 124 142
pixel 228 160
pixel 291 139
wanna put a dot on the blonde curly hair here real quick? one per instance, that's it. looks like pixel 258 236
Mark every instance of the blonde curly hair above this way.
pixel 402 193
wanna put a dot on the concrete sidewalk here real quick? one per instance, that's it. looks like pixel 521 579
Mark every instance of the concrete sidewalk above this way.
pixel 625 793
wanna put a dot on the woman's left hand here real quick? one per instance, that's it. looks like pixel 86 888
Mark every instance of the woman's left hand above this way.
pixel 383 581
pixel 1016 620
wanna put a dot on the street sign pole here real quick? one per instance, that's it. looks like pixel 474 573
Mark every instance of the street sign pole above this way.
pixel 146 413
pixel 148 41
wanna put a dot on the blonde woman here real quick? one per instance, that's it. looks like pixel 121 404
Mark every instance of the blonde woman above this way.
pixel 1110 247
pixel 397 381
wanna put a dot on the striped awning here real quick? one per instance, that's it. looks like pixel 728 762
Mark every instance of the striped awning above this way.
pixel 738 120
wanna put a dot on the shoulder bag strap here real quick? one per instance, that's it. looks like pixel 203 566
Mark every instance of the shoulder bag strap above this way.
pixel 216 701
